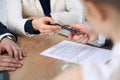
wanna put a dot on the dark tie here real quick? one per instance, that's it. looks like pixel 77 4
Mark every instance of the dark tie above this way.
pixel 46 7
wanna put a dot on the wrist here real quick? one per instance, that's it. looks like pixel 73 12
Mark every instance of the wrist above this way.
pixel 34 24
pixel 10 37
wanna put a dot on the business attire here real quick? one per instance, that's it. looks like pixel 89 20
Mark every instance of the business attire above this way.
pixel 4 32
pixel 62 11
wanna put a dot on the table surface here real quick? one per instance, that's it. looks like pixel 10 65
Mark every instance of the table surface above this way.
pixel 36 66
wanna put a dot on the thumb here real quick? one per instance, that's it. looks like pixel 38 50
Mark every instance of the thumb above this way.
pixel 48 19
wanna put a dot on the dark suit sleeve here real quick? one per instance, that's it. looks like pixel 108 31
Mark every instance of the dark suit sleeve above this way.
pixel 3 29
pixel 29 28
pixel 108 43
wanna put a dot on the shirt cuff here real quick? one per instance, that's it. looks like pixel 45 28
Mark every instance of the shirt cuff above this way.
pixel 7 34
pixel 29 28
pixel 100 42
pixel 108 43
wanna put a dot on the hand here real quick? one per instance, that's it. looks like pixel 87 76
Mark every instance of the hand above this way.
pixel 12 48
pixel 41 25
pixel 8 63
pixel 85 33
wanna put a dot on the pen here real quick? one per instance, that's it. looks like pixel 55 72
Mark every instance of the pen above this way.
pixel 64 27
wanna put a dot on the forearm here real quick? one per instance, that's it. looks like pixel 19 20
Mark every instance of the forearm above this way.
pixel 15 20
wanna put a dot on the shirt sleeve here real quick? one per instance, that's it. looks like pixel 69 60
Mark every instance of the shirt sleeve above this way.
pixel 4 32
pixel 29 28
pixel 108 42
pixel 8 34
pixel 16 22
pixel 100 42
pixel 3 29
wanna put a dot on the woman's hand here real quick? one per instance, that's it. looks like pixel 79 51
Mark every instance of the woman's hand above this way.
pixel 85 33
pixel 41 24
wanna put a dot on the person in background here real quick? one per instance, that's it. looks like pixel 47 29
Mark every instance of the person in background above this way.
pixel 11 61
pixel 30 17
pixel 104 16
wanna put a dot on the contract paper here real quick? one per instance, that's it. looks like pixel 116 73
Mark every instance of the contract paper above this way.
pixel 77 53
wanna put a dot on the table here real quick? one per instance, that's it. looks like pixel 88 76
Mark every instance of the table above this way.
pixel 36 66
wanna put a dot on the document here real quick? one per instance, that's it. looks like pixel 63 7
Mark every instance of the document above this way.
pixel 77 53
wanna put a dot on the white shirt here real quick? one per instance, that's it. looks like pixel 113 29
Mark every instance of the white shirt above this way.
pixel 18 11
pixel 11 14
pixel 100 42
pixel 99 71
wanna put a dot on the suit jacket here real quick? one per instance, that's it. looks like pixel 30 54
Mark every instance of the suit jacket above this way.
pixel 62 11
pixel 3 29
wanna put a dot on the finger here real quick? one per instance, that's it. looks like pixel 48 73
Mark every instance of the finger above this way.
pixel 46 31
pixel 7 68
pixel 70 36
pixel 9 59
pixel 20 55
pixel 16 52
pixel 48 19
pixel 78 37
pixel 42 33
pixel 84 39
pixel 50 27
pixel 9 50
pixel 0 50
pixel 23 52
pixel 7 64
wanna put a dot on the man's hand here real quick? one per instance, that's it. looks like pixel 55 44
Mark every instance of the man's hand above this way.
pixel 41 24
pixel 85 33
pixel 12 49
pixel 8 63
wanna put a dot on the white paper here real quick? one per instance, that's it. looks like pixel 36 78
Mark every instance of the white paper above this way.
pixel 77 53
